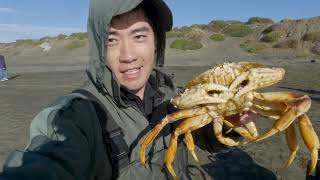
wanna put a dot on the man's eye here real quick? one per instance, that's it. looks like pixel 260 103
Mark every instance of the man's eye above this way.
pixel 140 37
pixel 112 41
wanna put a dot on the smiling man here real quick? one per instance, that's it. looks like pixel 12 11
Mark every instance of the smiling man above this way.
pixel 131 50
pixel 95 132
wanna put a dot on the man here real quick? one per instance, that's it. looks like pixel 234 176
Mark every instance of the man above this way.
pixel 3 69
pixel 68 139
pixel 95 132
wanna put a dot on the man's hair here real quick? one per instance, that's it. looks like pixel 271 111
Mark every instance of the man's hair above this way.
pixel 151 17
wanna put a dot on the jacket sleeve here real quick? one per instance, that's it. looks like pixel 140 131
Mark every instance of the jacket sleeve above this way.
pixel 66 143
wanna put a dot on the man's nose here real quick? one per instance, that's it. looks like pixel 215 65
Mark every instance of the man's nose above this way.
pixel 127 53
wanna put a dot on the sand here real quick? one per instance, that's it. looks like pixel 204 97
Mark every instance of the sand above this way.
pixel 40 80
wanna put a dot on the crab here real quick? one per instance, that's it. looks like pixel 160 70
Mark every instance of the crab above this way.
pixel 230 89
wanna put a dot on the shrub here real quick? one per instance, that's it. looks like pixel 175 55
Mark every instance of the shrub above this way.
pixel 314 36
pixel 61 36
pixel 192 34
pixel 316 48
pixel 237 30
pixel 290 43
pixel 25 42
pixel 259 20
pixel 185 44
pixel 200 26
pixel 253 47
pixel 79 35
pixel 217 26
pixel 285 20
pixel 233 22
pixel 217 37
pixel 272 36
pixel 75 44
pixel 171 34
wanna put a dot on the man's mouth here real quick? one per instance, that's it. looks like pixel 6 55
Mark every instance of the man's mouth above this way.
pixel 132 73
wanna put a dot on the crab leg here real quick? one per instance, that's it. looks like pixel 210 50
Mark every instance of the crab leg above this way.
pixel 190 145
pixel 168 119
pixel 243 124
pixel 186 126
pixel 292 142
pixel 271 114
pixel 217 128
pixel 296 107
pixel 228 141
pixel 311 140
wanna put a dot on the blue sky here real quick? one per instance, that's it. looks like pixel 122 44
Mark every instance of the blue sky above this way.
pixel 23 19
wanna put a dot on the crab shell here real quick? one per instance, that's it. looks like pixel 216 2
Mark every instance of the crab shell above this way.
pixel 231 83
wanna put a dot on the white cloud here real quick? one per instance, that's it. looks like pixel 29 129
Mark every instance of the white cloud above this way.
pixel 12 32
pixel 7 10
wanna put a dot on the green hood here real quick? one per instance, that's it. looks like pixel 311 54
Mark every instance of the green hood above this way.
pixel 100 15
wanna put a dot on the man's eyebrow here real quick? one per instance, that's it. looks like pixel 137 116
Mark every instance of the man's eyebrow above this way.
pixel 140 29
pixel 112 32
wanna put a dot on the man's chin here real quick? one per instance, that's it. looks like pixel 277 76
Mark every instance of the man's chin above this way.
pixel 133 88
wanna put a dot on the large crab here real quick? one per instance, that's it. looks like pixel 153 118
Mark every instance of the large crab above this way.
pixel 230 89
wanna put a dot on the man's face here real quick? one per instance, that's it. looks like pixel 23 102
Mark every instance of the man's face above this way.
pixel 131 50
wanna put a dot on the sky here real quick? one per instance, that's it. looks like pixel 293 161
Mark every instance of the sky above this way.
pixel 33 19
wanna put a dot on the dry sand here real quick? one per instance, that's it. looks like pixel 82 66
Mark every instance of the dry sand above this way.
pixel 38 85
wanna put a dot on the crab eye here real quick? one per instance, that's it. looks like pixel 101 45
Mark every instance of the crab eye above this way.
pixel 213 92
pixel 244 83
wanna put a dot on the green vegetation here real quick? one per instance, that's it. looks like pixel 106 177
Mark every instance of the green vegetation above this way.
pixel 314 36
pixel 61 36
pixel 316 48
pixel 290 43
pixel 272 36
pixel 233 22
pixel 285 20
pixel 237 30
pixel 200 26
pixel 26 42
pixel 259 20
pixel 79 35
pixel 192 34
pixel 217 37
pixel 302 53
pixel 217 26
pixel 253 47
pixel 184 44
pixel 171 34
pixel 75 44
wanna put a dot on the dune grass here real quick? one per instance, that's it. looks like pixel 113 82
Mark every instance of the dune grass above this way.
pixel 217 37
pixel 184 44
pixel 237 30
pixel 272 36
pixel 259 20
pixel 313 36
pixel 75 44
pixel 253 46
pixel 79 35
pixel 288 44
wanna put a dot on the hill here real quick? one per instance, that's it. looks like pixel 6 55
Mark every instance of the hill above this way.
pixel 199 44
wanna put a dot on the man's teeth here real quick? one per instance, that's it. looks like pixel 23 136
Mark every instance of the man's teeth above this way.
pixel 132 71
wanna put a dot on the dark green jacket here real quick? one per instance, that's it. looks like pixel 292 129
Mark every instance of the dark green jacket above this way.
pixel 66 138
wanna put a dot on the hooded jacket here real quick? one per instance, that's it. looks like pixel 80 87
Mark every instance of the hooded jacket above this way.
pixel 66 138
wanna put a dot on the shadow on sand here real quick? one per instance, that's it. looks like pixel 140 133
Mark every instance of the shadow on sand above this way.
pixel 233 164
